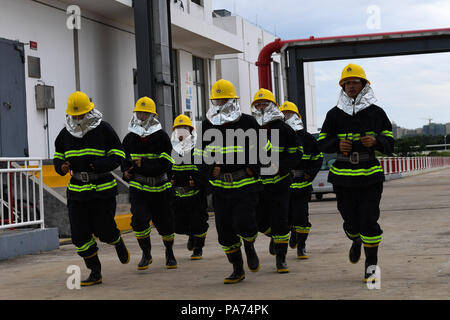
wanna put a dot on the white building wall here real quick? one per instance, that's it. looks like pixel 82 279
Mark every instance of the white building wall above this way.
pixel 240 68
pixel 107 59
pixel 24 20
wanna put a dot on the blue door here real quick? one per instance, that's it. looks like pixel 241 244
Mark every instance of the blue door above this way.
pixel 13 111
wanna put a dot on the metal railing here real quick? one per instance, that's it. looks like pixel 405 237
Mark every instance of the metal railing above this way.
pixel 21 193
pixel 393 165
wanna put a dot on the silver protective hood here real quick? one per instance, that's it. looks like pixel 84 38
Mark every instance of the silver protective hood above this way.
pixel 229 112
pixel 270 113
pixel 352 106
pixel 146 127
pixel 188 142
pixel 295 122
pixel 78 128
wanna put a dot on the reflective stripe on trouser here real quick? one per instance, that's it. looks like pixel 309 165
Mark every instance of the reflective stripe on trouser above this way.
pixel 191 215
pixel 155 207
pixel 299 210
pixel 235 217
pixel 360 209
pixel 272 213
pixel 92 218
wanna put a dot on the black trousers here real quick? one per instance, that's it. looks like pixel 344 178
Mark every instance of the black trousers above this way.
pixel 191 215
pixel 152 206
pixel 235 217
pixel 360 209
pixel 273 211
pixel 92 218
pixel 299 209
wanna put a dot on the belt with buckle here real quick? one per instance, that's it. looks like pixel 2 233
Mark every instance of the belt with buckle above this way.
pixel 89 176
pixel 151 181
pixel 233 176
pixel 298 173
pixel 356 157
pixel 183 190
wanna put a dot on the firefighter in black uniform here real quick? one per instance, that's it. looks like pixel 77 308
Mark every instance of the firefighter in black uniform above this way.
pixel 147 168
pixel 285 148
pixel 90 149
pixel 190 205
pixel 302 176
pixel 233 172
pixel 355 128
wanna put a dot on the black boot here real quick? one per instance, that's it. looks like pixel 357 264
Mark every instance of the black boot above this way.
pixel 293 239
pixel 355 251
pixel 370 264
pixel 272 247
pixel 190 243
pixel 301 246
pixel 238 274
pixel 281 250
pixel 199 243
pixel 146 247
pixel 122 251
pixel 93 263
pixel 171 262
pixel 252 257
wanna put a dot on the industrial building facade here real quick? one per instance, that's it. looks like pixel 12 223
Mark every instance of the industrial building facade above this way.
pixel 43 60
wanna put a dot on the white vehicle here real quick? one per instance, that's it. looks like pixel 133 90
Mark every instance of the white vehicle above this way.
pixel 320 184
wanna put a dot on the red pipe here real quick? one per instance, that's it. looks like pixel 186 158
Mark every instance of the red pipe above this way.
pixel 265 56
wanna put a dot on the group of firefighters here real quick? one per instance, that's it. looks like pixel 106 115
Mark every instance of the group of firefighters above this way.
pixel 249 197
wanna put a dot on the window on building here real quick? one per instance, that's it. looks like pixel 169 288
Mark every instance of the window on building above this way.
pixel 199 87
pixel 276 80
pixel 199 2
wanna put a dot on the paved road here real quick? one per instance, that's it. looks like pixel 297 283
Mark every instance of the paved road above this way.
pixel 414 259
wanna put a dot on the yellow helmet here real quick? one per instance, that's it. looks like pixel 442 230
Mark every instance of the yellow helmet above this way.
pixel 264 94
pixel 78 103
pixel 145 104
pixel 182 120
pixel 290 106
pixel 223 89
pixel 352 70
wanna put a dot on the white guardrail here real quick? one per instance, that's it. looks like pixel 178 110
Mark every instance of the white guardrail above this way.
pixel 393 165
pixel 21 193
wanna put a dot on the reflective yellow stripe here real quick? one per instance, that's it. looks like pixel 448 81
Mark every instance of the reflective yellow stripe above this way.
pixel 273 180
pixel 387 133
pixel 224 150
pixel 281 238
pixel 142 234
pixel 232 248
pixel 84 152
pixel 317 157
pixel 167 157
pixel 95 187
pixel 168 237
pixel 233 185
pixel 184 167
pixel 151 156
pixel 86 246
pixel 322 136
pixel 188 194
pixel 299 229
pixel 356 172
pixel 300 185
pixel 59 155
pixel 371 240
pixel 144 187
pixel 249 239
pixel 116 152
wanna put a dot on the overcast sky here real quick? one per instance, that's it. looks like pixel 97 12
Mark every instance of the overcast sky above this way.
pixel 410 88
